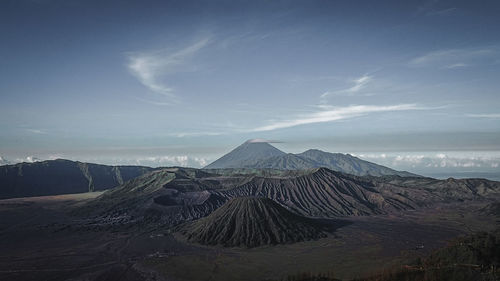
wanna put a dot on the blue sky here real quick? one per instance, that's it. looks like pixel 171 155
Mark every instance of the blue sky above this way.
pixel 183 82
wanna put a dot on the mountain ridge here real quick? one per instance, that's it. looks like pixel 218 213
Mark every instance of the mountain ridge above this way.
pixel 60 176
pixel 172 196
pixel 262 155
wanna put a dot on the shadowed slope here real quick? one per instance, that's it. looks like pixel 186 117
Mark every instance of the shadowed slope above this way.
pixel 324 193
pixel 349 164
pixel 167 196
pixel 314 158
pixel 61 176
pixel 251 222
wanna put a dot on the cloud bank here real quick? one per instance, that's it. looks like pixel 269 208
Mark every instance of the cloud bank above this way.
pixel 435 162
pixel 166 160
pixel 151 161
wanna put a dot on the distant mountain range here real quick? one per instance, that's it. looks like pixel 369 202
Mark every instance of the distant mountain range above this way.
pixel 60 176
pixel 262 155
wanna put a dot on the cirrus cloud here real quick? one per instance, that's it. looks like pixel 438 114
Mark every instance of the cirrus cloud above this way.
pixel 359 84
pixel 330 114
pixel 149 68
pixel 487 115
pixel 456 58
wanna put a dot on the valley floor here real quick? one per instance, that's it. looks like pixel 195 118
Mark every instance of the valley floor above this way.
pixel 41 241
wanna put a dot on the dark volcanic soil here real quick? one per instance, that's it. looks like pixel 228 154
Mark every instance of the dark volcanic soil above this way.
pixel 40 241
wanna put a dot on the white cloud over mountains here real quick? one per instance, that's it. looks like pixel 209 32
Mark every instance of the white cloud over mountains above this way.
pixel 180 160
pixel 151 161
pixel 4 161
pixel 449 163
pixel 27 159
pixel 445 161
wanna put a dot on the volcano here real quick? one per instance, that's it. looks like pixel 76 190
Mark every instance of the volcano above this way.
pixel 246 154
pixel 251 222
pixel 259 154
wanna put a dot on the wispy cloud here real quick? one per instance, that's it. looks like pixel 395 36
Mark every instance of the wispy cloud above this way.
pixel 242 38
pixel 425 7
pixel 489 115
pixel 37 131
pixel 329 114
pixel 159 103
pixel 358 85
pixel 314 79
pixel 453 58
pixel 441 12
pixel 263 141
pixel 149 68
pixel 456 65
pixel 196 134
pixel 432 8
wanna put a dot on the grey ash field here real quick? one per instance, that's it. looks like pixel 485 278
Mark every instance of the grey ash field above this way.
pixel 240 223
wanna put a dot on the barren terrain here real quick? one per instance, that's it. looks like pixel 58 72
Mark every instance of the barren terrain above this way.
pixel 40 240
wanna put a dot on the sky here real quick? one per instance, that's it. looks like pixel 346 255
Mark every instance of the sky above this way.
pixel 413 85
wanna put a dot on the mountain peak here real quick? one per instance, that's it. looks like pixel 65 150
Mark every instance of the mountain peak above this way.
pixel 313 150
pixel 246 154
